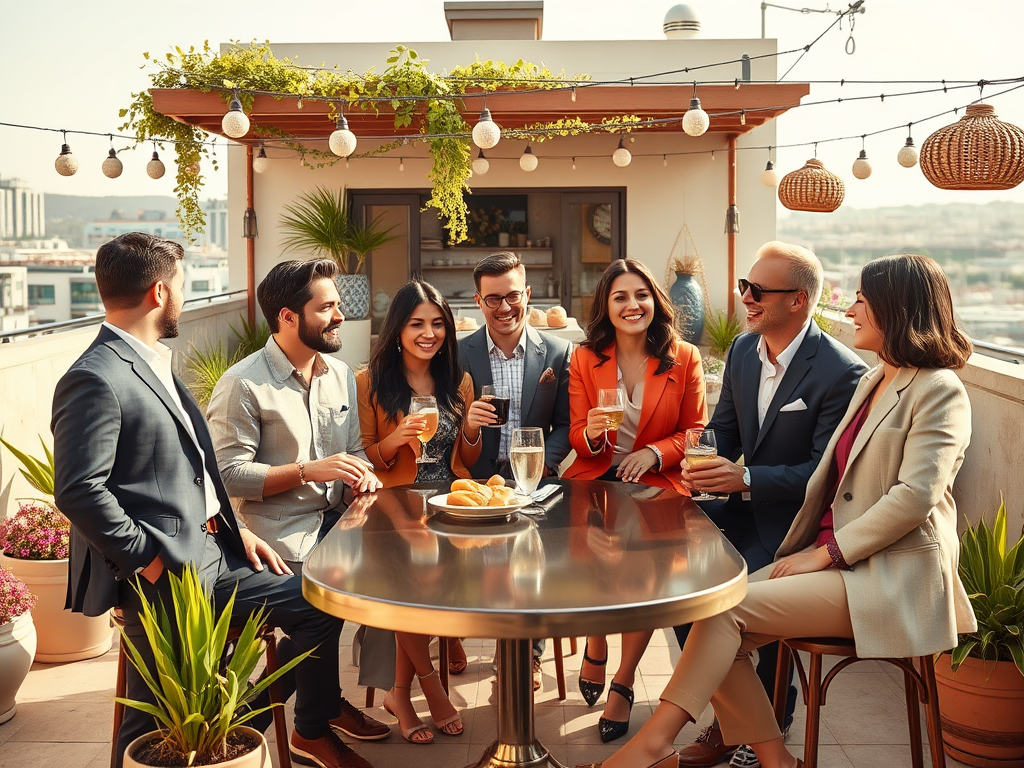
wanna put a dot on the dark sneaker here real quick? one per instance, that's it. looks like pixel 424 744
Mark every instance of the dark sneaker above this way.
pixel 357 724
pixel 327 752
pixel 744 757
pixel 707 750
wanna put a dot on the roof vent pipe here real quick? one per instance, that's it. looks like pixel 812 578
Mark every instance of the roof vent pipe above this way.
pixel 681 23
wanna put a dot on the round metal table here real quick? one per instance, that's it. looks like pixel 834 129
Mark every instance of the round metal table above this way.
pixel 598 558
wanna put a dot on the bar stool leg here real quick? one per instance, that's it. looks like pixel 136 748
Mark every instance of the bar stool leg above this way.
pixel 120 689
pixel 913 720
pixel 280 726
pixel 572 646
pixel 442 661
pixel 369 697
pixel 559 668
pixel 813 712
pixel 932 718
pixel 781 683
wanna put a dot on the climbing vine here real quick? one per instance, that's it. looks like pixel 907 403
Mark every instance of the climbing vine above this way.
pixel 255 68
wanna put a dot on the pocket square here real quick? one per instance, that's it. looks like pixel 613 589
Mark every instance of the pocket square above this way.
pixel 796 405
pixel 548 376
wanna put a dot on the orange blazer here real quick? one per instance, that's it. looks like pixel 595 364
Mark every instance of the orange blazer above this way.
pixel 673 402
pixel 401 470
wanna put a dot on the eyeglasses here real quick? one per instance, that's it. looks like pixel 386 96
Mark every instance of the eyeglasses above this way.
pixel 513 299
pixel 756 290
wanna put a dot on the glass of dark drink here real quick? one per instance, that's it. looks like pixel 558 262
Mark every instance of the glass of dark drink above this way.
pixel 497 396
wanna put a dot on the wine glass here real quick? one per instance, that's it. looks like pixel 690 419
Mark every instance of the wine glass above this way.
pixel 611 402
pixel 425 406
pixel 526 455
pixel 700 448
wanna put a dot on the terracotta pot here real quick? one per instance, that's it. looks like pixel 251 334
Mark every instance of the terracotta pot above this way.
pixel 17 647
pixel 258 758
pixel 982 708
pixel 62 635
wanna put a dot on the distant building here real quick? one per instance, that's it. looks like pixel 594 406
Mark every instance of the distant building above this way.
pixel 217 223
pixel 152 222
pixel 22 211
pixel 14 312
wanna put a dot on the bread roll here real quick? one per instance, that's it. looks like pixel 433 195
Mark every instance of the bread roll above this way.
pixel 503 497
pixel 538 318
pixel 472 486
pixel 465 324
pixel 496 481
pixel 466 499
pixel 557 318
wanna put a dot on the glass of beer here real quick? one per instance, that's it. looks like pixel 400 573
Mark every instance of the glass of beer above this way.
pixel 526 454
pixel 425 406
pixel 497 396
pixel 700 447
pixel 611 402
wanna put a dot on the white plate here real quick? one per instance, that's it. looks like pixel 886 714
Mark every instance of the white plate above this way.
pixel 441 502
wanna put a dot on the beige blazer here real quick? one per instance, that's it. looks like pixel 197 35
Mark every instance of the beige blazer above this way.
pixel 895 520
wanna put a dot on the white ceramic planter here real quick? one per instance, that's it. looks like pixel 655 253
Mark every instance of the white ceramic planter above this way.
pixel 17 647
pixel 258 758
pixel 62 635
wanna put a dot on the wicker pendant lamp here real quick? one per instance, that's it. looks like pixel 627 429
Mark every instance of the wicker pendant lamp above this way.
pixel 979 151
pixel 812 188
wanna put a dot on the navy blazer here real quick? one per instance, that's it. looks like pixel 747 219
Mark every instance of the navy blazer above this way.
pixel 784 451
pixel 543 405
pixel 127 474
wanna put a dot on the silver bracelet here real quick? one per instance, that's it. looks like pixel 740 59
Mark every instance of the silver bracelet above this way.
pixel 659 456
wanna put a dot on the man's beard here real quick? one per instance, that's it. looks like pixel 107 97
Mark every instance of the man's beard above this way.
pixel 318 340
pixel 167 326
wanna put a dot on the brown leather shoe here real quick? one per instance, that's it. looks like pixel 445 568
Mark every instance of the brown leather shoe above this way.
pixel 707 750
pixel 357 724
pixel 537 674
pixel 327 752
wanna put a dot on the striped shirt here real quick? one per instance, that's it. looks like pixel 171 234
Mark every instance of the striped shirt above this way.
pixel 508 372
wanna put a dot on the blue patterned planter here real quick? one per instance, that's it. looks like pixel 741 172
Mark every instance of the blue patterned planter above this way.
pixel 688 300
pixel 354 291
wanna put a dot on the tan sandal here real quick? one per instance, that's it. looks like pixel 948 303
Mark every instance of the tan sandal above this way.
pixel 449 726
pixel 408 733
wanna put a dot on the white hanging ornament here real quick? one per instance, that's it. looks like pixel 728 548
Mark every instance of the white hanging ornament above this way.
pixel 861 166
pixel 481 164
pixel 622 156
pixel 907 156
pixel 342 141
pixel 261 163
pixel 112 166
pixel 155 168
pixel 235 123
pixel 66 163
pixel 528 160
pixel 486 133
pixel 696 120
pixel 770 177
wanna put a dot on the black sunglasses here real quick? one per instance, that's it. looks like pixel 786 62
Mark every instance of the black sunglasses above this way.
pixel 513 299
pixel 756 291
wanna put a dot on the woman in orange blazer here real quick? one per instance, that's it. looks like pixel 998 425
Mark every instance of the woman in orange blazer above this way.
pixel 417 355
pixel 631 345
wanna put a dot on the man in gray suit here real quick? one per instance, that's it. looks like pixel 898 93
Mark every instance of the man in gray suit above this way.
pixel 136 474
pixel 786 387
pixel 532 366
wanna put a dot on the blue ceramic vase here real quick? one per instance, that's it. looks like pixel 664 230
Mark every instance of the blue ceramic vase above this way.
pixel 688 300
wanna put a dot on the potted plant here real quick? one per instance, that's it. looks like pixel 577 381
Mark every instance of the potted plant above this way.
pixel 319 222
pixel 713 367
pixel 831 304
pixel 981 683
pixel 504 233
pixel 34 544
pixel 204 367
pixel 202 698
pixel 721 329
pixel 688 289
pixel 17 639
pixel 517 229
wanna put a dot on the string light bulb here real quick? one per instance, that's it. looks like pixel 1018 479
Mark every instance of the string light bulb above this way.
pixel 194 168
pixel 862 166
pixel 155 168
pixel 481 164
pixel 235 123
pixel 66 163
pixel 696 120
pixel 664 161
pixel 907 156
pixel 574 163
pixel 486 133
pixel 261 163
pixel 112 166
pixel 401 163
pixel 770 177
pixel 622 156
pixel 342 141
pixel 528 160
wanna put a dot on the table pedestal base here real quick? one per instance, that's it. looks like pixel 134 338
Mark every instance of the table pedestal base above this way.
pixel 516 746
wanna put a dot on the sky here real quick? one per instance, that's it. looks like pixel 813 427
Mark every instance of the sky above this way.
pixel 72 64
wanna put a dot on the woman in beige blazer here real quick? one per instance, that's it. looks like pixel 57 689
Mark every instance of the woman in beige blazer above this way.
pixel 872 554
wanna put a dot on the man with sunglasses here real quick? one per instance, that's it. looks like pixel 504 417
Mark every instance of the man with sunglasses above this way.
pixel 532 366
pixel 785 387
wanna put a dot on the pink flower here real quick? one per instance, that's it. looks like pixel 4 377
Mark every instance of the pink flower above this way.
pixel 38 531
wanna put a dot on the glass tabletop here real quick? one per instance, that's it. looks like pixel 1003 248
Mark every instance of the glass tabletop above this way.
pixel 597 557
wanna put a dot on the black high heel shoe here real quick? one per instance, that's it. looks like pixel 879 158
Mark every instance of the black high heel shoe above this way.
pixel 611 730
pixel 591 691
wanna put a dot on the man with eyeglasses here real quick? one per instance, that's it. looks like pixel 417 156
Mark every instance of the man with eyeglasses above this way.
pixel 785 387
pixel 532 366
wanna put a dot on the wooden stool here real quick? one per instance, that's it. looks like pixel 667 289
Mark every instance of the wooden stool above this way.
pixel 919 684
pixel 265 633
pixel 442 663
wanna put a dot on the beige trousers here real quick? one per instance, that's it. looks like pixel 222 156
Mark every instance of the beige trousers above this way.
pixel 716 666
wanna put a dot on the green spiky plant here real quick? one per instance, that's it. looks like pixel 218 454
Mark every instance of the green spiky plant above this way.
pixel 200 700
pixel 994 579
pixel 38 472
pixel 204 367
pixel 720 328
pixel 318 222
pixel 363 238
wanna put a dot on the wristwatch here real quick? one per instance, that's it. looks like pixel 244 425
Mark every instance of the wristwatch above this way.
pixel 659 456
pixel 746 476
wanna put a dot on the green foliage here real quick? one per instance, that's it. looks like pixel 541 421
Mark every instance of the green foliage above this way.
pixel 255 68
pixel 199 699
pixel 38 472
pixel 720 328
pixel 251 337
pixel 204 367
pixel 994 579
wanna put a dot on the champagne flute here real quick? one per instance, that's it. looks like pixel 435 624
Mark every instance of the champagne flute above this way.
pixel 526 455
pixel 700 448
pixel 611 402
pixel 425 406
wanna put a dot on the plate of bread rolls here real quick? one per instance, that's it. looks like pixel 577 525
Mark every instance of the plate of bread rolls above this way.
pixel 470 498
